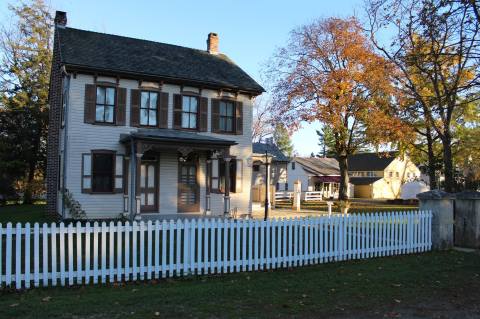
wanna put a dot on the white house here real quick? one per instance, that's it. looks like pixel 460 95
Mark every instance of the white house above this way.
pixel 147 129
pixel 315 174
pixel 380 175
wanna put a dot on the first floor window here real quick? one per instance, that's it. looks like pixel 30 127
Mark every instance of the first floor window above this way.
pixel 148 108
pixel 102 172
pixel 232 173
pixel 189 112
pixel 105 106
pixel 226 116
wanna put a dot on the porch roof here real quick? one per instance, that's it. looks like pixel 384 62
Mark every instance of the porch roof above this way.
pixel 175 136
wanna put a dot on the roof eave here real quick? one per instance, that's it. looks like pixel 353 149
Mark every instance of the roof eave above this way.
pixel 135 75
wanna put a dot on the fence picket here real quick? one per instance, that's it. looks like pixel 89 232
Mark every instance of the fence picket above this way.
pixel 53 248
pixel 186 242
pixel 255 245
pixel 88 231
pixel 44 254
pixel 70 253
pixel 18 256
pixel 126 251
pixel 95 252
pixel 119 250
pixel 164 249
pixel 226 233
pixel 205 247
pixel 27 255
pixel 178 233
pixel 149 249
pixel 78 237
pixel 231 254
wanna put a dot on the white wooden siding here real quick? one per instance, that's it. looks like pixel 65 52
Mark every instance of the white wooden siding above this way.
pixel 82 138
pixel 297 173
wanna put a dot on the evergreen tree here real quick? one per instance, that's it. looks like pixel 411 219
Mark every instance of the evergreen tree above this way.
pixel 282 140
pixel 326 141
pixel 25 52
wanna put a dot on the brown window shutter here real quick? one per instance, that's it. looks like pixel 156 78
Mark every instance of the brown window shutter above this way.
pixel 135 108
pixel 215 115
pixel 177 111
pixel 239 176
pixel 90 101
pixel 239 118
pixel 162 110
pixel 203 114
pixel 118 183
pixel 86 173
pixel 121 106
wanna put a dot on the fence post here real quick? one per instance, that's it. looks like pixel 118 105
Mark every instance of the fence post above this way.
pixel 297 193
pixel 441 204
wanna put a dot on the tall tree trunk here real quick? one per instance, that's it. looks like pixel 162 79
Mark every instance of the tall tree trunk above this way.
pixel 32 165
pixel 28 194
pixel 431 161
pixel 448 162
pixel 343 190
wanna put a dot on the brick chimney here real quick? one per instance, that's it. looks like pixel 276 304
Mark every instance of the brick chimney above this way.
pixel 212 43
pixel 60 18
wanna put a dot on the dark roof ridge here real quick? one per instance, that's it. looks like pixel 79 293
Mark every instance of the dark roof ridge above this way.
pixel 140 39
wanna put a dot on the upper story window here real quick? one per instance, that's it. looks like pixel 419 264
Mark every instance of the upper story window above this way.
pixel 189 112
pixel 105 105
pixel 148 108
pixel 293 165
pixel 226 116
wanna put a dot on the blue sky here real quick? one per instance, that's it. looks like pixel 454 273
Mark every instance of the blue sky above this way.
pixel 249 31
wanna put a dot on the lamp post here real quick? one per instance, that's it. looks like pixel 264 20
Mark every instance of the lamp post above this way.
pixel 267 185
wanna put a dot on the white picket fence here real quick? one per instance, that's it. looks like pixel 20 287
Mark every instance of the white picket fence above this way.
pixel 57 254
pixel 284 196
pixel 313 196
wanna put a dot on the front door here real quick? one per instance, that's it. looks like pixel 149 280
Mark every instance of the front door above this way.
pixel 149 185
pixel 188 188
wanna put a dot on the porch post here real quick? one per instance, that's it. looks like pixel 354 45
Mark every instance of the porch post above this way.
pixel 208 207
pixel 138 163
pixel 226 200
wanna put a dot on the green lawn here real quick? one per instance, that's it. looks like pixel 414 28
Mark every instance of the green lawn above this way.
pixel 23 214
pixel 356 207
pixel 439 284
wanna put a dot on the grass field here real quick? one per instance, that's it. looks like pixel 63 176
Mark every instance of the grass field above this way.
pixel 23 214
pixel 438 284
pixel 355 206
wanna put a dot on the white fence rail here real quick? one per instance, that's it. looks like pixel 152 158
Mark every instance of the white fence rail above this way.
pixel 313 196
pixel 58 254
pixel 283 196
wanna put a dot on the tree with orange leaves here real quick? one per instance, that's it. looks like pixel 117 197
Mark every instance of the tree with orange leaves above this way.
pixel 329 72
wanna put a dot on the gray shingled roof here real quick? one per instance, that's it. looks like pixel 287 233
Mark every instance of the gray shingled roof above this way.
pixel 319 165
pixel 99 51
pixel 170 135
pixel 370 161
pixel 272 149
pixel 363 180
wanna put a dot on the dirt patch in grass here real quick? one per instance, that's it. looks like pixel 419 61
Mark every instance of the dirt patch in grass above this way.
pixel 431 285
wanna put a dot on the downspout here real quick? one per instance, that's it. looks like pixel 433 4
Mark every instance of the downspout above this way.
pixel 133 159
pixel 66 99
